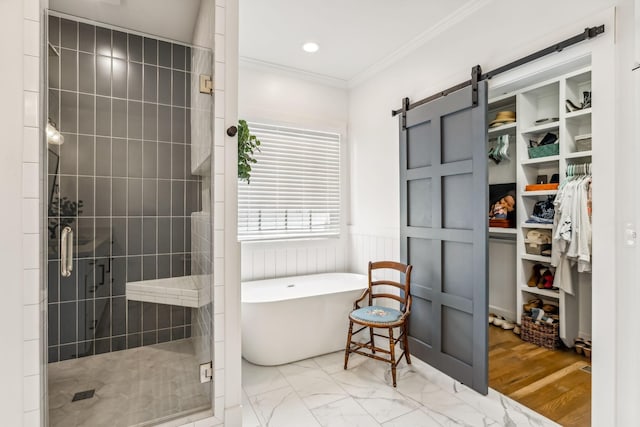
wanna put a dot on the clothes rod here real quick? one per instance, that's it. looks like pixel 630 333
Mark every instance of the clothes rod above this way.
pixel 587 34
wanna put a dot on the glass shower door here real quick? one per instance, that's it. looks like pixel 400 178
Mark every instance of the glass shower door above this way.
pixel 124 113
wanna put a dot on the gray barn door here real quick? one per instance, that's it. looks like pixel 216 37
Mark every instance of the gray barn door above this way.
pixel 443 233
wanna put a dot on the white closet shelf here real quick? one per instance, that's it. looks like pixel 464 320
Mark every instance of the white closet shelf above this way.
pixel 539 193
pixel 549 293
pixel 580 114
pixel 545 127
pixel 579 154
pixel 538 258
pixel 541 162
pixel 501 230
pixel 503 129
pixel 534 225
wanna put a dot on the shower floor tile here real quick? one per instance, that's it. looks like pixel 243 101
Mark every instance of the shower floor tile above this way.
pixel 134 387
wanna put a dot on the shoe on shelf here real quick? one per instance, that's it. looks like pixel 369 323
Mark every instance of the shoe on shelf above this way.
pixel 498 321
pixel 507 325
pixel 571 106
pixel 548 280
pixel 586 99
pixel 533 303
pixel 551 308
pixel 535 276
pixel 541 279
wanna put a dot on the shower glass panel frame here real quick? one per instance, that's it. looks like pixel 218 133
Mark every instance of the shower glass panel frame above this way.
pixel 120 187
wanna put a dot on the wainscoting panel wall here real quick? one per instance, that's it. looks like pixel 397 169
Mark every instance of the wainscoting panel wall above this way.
pixel 292 258
pixel 366 245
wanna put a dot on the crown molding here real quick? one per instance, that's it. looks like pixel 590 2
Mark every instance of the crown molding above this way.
pixel 292 72
pixel 440 27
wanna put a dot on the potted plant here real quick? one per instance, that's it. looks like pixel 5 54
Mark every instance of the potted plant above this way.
pixel 248 144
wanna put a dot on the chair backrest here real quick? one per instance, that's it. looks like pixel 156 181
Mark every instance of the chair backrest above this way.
pixel 404 286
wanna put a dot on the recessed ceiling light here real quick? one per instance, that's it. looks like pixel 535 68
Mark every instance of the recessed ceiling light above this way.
pixel 310 47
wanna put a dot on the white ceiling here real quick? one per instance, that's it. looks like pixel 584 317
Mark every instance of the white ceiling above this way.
pixel 170 19
pixel 354 35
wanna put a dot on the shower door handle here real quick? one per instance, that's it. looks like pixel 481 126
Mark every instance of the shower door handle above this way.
pixel 66 251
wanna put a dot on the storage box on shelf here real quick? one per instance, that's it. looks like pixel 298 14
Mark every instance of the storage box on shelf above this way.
pixel 540 333
pixel 583 142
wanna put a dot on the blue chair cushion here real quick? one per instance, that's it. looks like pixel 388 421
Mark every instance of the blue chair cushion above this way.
pixel 376 314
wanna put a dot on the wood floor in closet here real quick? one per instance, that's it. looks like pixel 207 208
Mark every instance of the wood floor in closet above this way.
pixel 551 383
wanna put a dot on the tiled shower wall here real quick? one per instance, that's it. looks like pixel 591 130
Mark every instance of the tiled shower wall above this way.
pixel 123 183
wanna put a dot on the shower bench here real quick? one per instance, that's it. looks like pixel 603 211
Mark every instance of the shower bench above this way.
pixel 187 291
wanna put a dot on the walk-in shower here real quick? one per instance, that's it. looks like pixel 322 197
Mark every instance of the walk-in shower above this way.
pixel 128 202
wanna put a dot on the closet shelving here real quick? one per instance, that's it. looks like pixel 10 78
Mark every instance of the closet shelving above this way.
pixel 541 109
pixel 547 101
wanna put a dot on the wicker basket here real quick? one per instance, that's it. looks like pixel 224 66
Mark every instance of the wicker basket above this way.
pixel 544 151
pixel 540 333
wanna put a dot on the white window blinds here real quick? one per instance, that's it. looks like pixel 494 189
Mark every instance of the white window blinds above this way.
pixel 295 185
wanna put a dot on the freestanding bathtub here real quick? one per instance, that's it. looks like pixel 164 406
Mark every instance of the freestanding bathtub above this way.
pixel 294 318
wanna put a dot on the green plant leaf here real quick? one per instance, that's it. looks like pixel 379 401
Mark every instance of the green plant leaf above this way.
pixel 248 144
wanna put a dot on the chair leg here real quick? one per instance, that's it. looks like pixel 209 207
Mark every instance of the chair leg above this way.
pixel 348 347
pixel 405 340
pixel 393 356
pixel 373 345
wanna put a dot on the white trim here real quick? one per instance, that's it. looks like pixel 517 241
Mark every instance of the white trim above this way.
pixel 292 72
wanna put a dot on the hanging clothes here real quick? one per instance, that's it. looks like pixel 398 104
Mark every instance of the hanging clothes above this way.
pixel 571 245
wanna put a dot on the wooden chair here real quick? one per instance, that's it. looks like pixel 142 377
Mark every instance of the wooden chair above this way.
pixel 375 316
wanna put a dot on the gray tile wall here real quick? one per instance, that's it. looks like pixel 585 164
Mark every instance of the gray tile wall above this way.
pixel 122 181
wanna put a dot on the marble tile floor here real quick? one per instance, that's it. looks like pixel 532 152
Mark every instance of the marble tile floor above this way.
pixel 135 387
pixel 318 392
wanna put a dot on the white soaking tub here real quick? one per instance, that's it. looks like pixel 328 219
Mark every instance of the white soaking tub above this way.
pixel 294 318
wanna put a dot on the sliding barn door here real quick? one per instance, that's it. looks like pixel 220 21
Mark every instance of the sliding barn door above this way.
pixel 443 232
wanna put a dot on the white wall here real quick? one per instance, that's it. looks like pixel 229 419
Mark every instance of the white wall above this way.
pixel 269 95
pixel 626 199
pixel 491 37
pixel 10 169
pixel 20 182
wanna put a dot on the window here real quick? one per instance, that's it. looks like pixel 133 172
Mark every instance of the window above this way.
pixel 295 185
